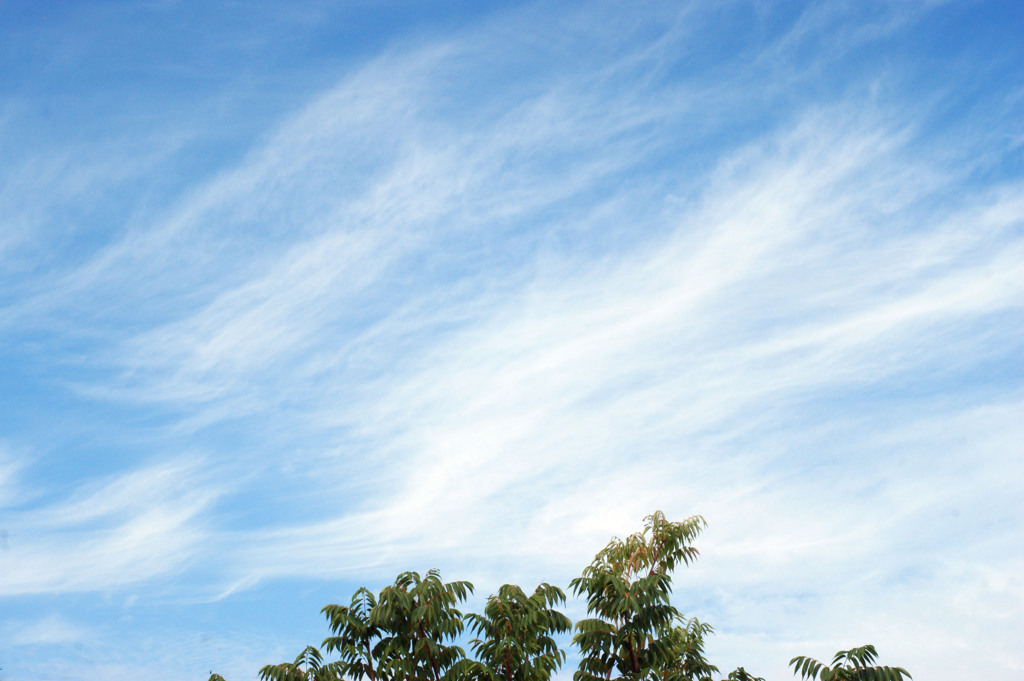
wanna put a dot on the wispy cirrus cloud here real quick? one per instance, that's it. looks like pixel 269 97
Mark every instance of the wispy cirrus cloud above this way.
pixel 576 364
pixel 47 631
pixel 493 297
pixel 134 527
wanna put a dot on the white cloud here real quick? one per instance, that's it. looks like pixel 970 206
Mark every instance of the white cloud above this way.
pixel 134 527
pixel 417 328
pixel 527 408
pixel 47 631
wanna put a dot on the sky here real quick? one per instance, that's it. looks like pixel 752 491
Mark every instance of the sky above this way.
pixel 298 296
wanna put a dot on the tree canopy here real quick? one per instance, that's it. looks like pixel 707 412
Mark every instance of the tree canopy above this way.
pixel 637 633
pixel 856 664
pixel 410 630
pixel 402 634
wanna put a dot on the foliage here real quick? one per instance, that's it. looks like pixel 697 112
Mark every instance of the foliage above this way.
pixel 856 664
pixel 741 674
pixel 637 633
pixel 403 633
pixel 516 631
pixel 406 632
pixel 689 661
pixel 308 666
pixel 356 639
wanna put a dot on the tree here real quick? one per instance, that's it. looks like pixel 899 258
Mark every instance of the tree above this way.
pixel 356 639
pixel 308 666
pixel 856 664
pixel 637 633
pixel 516 635
pixel 689 661
pixel 402 634
pixel 634 633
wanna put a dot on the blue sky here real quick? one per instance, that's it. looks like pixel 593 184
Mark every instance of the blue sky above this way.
pixel 294 298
